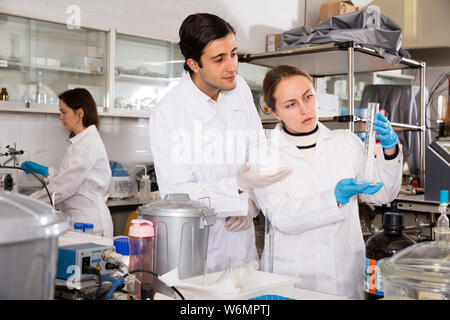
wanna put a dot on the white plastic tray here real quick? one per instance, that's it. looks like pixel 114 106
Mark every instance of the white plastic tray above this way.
pixel 260 283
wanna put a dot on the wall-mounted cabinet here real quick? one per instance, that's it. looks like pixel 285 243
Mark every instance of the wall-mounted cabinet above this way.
pixel 126 74
pixel 254 76
pixel 145 70
pixel 39 60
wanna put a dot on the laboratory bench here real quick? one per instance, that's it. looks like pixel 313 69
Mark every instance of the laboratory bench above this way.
pixel 287 291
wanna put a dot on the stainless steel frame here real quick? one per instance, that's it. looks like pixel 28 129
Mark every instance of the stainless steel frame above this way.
pixel 346 58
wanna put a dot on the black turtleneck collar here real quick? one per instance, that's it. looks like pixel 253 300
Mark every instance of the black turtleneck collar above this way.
pixel 301 133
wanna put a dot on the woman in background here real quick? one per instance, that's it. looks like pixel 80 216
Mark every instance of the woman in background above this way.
pixel 82 180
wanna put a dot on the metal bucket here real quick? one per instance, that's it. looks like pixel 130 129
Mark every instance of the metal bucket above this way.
pixel 29 231
pixel 181 234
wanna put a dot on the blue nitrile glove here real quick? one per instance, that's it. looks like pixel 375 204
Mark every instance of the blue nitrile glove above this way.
pixel 347 188
pixel 386 134
pixel 34 167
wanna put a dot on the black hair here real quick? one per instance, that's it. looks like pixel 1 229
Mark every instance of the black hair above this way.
pixel 81 98
pixel 197 31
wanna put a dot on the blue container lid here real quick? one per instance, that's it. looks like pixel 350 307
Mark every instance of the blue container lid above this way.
pixel 88 226
pixel 443 196
pixel 122 246
pixel 78 226
pixel 271 297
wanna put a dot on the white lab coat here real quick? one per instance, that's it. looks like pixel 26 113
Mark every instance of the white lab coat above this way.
pixel 314 239
pixel 82 181
pixel 191 138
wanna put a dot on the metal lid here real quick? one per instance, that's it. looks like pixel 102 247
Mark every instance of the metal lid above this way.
pixel 175 205
pixel 426 261
pixel 23 218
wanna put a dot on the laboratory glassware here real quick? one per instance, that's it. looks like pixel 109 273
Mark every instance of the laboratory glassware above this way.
pixel 368 173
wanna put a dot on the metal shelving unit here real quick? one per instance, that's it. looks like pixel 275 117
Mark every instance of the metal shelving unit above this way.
pixel 346 58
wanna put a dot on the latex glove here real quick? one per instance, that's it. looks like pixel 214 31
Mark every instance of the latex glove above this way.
pixel 34 167
pixel 347 188
pixel 386 134
pixel 241 223
pixel 252 179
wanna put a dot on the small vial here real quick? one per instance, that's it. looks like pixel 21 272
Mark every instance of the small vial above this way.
pixel 78 227
pixel 88 228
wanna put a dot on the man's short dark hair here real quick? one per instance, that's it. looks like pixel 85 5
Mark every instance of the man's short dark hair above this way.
pixel 197 31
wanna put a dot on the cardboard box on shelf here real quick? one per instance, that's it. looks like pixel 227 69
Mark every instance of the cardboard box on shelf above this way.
pixel 332 8
pixel 272 42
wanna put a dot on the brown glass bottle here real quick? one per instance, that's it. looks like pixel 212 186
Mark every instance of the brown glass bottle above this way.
pixel 382 245
pixel 4 95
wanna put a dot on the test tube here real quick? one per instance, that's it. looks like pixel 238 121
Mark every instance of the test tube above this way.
pixel 368 173
pixel 268 230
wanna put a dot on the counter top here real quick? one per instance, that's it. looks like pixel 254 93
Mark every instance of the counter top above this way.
pixel 131 201
pixel 123 202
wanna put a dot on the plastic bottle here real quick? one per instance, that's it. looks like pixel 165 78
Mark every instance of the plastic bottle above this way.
pixel 381 245
pixel 122 246
pixel 4 95
pixel 88 228
pixel 145 187
pixel 141 238
pixel 442 226
pixel 78 227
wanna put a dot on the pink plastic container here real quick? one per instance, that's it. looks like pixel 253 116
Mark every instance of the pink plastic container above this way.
pixel 141 238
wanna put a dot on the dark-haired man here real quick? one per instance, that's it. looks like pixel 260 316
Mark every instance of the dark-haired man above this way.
pixel 199 139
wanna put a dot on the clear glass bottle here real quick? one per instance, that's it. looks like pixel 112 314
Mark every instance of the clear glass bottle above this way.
pixel 41 93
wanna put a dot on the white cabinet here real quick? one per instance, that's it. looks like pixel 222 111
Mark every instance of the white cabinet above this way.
pixel 125 74
pixel 145 70
pixel 39 60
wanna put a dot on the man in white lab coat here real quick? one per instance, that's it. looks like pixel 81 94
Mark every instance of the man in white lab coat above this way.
pixel 199 136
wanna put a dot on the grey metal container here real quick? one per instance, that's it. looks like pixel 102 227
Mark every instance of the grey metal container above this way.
pixel 29 231
pixel 181 234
